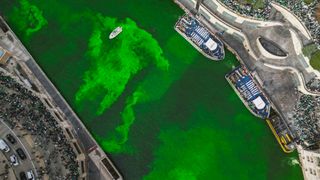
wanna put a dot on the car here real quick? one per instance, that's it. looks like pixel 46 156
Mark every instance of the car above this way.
pixel 23 176
pixel 14 160
pixel 21 154
pixel 11 139
pixel 30 175
pixel 4 146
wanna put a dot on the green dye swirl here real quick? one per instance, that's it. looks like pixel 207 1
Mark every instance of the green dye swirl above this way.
pixel 120 136
pixel 116 61
pixel 188 161
pixel 28 18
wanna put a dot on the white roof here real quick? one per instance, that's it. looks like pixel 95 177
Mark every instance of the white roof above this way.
pixel 259 103
pixel 211 44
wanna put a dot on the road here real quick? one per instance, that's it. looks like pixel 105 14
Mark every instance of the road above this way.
pixel 24 165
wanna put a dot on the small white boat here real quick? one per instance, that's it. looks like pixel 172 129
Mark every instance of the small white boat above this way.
pixel 115 32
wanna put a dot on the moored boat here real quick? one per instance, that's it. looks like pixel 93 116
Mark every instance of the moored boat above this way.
pixel 115 32
pixel 202 39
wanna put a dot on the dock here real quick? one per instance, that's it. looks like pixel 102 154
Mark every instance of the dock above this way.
pixel 281 132
pixel 276 83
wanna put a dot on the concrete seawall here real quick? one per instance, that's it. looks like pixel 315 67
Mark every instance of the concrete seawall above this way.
pixel 98 163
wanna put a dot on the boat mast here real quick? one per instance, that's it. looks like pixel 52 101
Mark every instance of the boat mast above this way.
pixel 198 6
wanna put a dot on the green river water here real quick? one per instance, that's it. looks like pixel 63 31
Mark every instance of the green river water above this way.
pixel 156 106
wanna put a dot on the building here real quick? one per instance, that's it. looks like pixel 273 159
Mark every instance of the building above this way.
pixel 310 163
pixel 4 56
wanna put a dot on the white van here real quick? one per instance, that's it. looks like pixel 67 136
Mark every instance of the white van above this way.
pixel 4 146
pixel 30 175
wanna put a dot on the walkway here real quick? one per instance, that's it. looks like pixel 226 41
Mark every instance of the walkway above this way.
pixel 302 85
pixel 293 19
pixel 229 28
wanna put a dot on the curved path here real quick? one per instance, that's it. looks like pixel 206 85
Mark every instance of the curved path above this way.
pixel 25 149
pixel 298 48
pixel 239 19
pixel 219 14
pixel 293 19
pixel 302 87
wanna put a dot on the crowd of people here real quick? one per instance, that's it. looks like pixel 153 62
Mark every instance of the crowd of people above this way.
pixel 20 108
pixel 306 13
pixel 314 85
pixel 305 120
pixel 248 9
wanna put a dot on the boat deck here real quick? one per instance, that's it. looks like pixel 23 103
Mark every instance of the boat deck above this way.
pixel 249 92
pixel 209 45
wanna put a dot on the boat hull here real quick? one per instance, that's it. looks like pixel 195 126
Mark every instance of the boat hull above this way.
pixel 200 38
pixel 115 32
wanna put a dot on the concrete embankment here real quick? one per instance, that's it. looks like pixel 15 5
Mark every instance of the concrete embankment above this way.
pixel 98 164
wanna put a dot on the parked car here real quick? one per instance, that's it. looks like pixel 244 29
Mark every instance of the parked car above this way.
pixel 11 139
pixel 30 175
pixel 21 154
pixel 14 160
pixel 23 176
pixel 4 146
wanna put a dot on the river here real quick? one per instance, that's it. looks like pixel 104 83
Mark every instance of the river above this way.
pixel 158 107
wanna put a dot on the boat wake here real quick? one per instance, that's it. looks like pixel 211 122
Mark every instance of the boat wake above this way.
pixel 293 161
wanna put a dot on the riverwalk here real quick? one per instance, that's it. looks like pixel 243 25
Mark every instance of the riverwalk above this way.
pixel 98 164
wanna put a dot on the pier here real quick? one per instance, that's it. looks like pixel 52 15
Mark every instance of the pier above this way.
pixel 278 69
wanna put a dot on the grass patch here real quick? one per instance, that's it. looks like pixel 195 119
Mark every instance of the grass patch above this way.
pixel 308 1
pixel 256 4
pixel 309 50
pixel 259 4
pixel 315 60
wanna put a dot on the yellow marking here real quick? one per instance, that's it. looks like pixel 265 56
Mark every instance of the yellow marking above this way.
pixel 283 140
pixel 284 148
pixel 288 137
